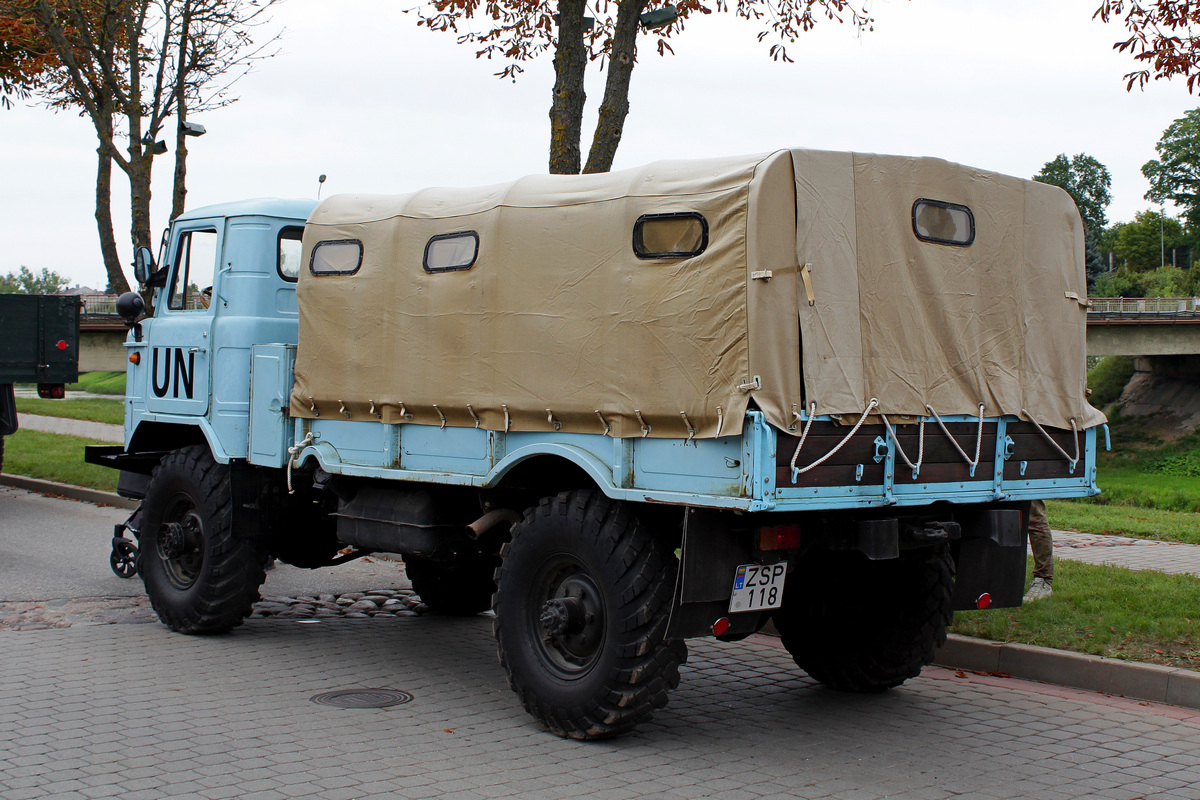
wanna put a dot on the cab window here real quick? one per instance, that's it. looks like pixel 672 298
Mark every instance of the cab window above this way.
pixel 195 265
pixel 288 253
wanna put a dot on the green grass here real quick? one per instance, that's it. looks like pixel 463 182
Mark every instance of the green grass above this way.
pixel 100 383
pixel 1106 611
pixel 1108 378
pixel 54 457
pixel 1129 520
pixel 92 409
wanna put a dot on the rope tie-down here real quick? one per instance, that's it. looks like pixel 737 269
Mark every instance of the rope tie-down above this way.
pixel 1071 462
pixel 914 466
pixel 812 413
pixel 978 437
pixel 292 451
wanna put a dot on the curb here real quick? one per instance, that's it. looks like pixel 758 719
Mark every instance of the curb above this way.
pixel 65 490
pixel 1171 685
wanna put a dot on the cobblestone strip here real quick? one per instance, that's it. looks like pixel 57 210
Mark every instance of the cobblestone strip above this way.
pixel 46 614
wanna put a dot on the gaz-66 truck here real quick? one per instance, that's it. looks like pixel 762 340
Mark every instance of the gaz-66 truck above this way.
pixel 621 410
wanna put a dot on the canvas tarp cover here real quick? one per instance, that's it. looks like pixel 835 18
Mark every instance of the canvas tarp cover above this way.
pixel 559 325
pixel 920 325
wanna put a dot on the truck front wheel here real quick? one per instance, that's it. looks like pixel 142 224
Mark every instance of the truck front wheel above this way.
pixel 200 579
pixel 583 594
pixel 866 626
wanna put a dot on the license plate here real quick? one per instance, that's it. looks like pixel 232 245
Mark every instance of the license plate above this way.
pixel 757 587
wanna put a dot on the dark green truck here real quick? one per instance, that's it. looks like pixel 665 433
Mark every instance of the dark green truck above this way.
pixel 39 343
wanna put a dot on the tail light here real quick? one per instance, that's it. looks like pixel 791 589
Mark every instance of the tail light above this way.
pixel 779 537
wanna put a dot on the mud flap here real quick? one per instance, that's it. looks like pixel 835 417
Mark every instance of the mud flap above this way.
pixel 990 560
pixel 710 555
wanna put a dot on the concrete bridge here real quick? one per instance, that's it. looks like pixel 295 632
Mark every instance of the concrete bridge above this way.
pixel 1116 327
pixel 1153 326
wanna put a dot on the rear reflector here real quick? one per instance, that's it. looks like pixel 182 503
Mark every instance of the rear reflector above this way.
pixel 779 537
pixel 720 626
pixel 984 601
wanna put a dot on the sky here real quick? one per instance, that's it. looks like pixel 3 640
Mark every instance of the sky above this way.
pixel 359 93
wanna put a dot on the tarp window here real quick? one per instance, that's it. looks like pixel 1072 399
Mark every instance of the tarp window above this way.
pixel 449 252
pixel 680 235
pixel 943 223
pixel 341 257
pixel 289 253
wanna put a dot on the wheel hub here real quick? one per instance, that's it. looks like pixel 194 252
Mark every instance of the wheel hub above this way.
pixel 172 540
pixel 562 615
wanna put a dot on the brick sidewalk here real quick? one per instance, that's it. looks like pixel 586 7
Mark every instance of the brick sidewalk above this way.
pixel 1121 551
pixel 136 712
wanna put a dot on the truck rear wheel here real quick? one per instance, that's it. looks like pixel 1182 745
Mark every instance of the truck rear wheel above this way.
pixel 865 626
pixel 461 588
pixel 200 579
pixel 583 596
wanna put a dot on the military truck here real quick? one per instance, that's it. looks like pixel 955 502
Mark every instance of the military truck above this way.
pixel 621 410
pixel 39 345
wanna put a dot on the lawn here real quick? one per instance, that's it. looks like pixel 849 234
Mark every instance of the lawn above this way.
pixel 92 409
pixel 1105 611
pixel 54 457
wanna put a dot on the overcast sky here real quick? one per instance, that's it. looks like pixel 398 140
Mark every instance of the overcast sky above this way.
pixel 359 93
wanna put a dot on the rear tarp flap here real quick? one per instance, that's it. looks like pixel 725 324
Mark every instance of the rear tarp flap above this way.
pixel 916 323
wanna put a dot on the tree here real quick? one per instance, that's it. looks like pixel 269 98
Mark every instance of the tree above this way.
pixel 1175 175
pixel 1146 243
pixel 130 65
pixel 1088 183
pixel 24 60
pixel 1152 40
pixel 26 282
pixel 520 30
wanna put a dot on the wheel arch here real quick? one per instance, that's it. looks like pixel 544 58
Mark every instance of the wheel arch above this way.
pixel 553 466
pixel 167 436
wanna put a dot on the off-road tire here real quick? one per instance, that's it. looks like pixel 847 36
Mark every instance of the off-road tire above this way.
pixel 865 626
pixel 199 578
pixel 613 665
pixel 460 588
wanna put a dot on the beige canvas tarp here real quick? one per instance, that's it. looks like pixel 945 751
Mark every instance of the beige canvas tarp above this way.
pixel 920 325
pixel 559 325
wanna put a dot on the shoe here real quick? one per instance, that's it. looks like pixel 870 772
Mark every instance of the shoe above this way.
pixel 1038 590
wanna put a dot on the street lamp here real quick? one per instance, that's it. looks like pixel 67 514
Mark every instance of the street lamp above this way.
pixel 659 17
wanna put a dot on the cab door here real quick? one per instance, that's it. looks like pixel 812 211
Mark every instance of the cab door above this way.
pixel 180 347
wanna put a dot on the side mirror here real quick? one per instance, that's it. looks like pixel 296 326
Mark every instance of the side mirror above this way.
pixel 143 264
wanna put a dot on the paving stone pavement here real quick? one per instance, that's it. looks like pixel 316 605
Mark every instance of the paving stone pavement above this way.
pixel 134 711
pixel 1122 551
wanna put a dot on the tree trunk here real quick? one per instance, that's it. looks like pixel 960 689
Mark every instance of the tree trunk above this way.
pixel 566 110
pixel 615 106
pixel 179 189
pixel 179 186
pixel 104 224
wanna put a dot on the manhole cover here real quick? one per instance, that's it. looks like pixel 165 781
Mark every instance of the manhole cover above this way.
pixel 362 698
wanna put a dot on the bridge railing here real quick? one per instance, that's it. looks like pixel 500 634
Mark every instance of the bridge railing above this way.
pixel 1144 305
pixel 103 307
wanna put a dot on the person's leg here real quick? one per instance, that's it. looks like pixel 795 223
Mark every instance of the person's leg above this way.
pixel 1042 545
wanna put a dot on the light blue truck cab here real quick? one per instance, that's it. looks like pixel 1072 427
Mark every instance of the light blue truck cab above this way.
pixel 487 383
